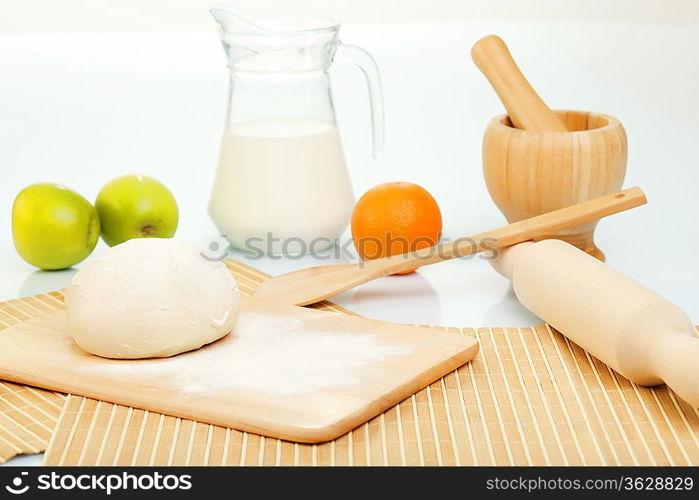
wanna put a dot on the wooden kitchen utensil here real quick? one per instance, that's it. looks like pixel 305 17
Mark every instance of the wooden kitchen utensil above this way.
pixel 530 172
pixel 638 333
pixel 539 165
pixel 197 384
pixel 314 284
pixel 524 106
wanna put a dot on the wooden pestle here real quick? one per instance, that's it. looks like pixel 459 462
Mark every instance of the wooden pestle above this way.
pixel 524 106
pixel 635 331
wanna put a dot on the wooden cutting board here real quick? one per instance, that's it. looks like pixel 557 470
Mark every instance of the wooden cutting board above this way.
pixel 200 385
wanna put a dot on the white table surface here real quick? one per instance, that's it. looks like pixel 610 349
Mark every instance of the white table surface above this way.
pixel 81 109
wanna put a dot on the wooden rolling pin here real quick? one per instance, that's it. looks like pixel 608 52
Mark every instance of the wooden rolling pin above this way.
pixel 640 334
pixel 524 106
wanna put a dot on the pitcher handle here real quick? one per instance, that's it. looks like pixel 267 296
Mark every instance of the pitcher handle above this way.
pixel 364 61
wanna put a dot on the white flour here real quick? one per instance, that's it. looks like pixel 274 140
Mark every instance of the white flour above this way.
pixel 268 355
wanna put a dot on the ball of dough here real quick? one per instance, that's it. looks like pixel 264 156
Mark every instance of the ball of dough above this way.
pixel 150 297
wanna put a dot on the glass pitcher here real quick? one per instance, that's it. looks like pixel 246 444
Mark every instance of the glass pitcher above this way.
pixel 282 186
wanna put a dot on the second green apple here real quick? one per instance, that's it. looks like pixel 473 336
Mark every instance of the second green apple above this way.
pixel 136 206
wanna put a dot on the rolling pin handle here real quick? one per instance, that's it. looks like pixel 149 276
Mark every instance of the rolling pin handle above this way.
pixel 505 261
pixel 676 360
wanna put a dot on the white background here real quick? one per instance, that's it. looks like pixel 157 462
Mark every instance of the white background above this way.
pixel 93 90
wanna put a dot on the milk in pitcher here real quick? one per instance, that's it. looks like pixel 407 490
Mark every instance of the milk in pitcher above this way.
pixel 282 186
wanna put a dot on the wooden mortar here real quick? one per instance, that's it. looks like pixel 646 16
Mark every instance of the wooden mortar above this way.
pixel 530 172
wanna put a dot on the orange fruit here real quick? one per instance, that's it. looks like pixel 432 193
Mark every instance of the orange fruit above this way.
pixel 395 218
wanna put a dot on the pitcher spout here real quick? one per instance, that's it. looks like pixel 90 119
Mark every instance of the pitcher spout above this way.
pixel 257 44
pixel 233 21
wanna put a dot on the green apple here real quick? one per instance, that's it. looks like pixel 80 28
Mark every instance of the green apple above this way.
pixel 136 206
pixel 53 227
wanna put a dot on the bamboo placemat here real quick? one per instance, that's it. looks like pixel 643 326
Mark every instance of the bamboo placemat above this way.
pixel 530 397
pixel 27 415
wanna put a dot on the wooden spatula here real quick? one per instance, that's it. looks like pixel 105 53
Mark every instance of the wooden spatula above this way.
pixel 524 106
pixel 314 284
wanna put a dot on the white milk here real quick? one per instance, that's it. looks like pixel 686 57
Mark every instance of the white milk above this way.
pixel 284 177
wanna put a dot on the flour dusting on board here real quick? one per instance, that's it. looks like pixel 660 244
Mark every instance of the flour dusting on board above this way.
pixel 270 355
